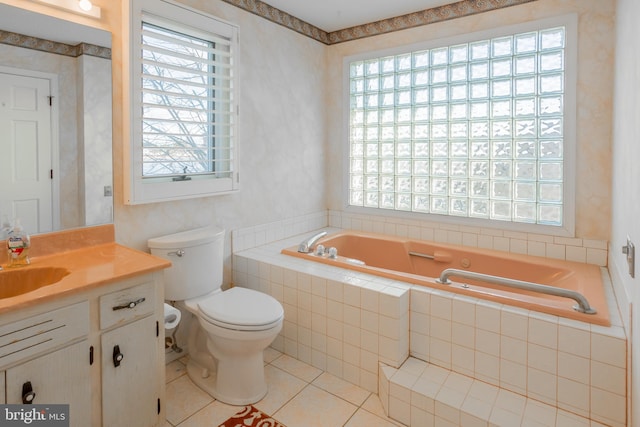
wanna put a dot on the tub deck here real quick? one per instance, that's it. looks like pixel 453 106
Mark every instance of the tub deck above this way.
pixel 390 257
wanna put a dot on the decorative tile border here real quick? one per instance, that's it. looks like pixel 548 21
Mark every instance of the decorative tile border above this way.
pixel 424 17
pixel 28 42
pixel 278 16
pixel 93 50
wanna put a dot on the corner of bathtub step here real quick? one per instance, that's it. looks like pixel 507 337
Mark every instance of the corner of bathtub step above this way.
pixel 385 372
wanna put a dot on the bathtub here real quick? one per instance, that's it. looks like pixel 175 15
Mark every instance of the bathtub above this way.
pixel 420 262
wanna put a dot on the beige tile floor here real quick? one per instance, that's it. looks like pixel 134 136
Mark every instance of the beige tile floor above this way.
pixel 299 396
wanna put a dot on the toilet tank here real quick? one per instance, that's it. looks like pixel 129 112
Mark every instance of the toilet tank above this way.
pixel 196 262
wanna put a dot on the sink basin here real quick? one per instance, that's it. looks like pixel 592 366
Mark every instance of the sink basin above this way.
pixel 19 281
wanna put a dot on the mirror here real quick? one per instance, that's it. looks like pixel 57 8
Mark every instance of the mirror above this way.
pixel 55 122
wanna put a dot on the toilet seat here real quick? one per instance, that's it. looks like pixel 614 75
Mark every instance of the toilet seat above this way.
pixel 241 309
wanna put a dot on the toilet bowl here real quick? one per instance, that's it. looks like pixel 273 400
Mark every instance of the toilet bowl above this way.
pixel 236 341
pixel 231 328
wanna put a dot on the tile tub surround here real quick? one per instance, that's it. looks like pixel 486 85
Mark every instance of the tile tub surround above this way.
pixel 422 394
pixel 337 321
pixel 405 259
pixel 347 322
pixel 576 249
pixel 569 365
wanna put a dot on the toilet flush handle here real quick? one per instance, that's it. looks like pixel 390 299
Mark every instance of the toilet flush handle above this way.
pixel 178 253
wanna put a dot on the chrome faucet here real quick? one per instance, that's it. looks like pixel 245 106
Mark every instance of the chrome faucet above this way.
pixel 307 245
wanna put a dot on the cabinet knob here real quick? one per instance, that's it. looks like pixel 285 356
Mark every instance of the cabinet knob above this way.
pixel 117 356
pixel 27 393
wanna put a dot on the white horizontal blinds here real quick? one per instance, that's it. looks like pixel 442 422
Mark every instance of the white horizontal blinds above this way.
pixel 187 103
pixel 469 130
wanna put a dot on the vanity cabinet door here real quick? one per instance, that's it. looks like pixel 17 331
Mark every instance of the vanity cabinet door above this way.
pixel 130 381
pixel 60 377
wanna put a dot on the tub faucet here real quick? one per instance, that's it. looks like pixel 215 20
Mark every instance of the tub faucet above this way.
pixel 307 245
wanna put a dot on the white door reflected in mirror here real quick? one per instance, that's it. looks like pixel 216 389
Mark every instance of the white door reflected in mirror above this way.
pixel 26 186
pixel 76 59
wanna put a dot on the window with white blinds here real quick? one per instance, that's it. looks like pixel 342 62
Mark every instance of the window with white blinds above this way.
pixel 480 128
pixel 185 104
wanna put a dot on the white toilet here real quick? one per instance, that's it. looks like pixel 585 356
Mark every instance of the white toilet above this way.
pixel 234 327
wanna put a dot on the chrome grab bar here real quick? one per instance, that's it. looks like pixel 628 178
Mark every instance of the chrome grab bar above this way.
pixel 582 306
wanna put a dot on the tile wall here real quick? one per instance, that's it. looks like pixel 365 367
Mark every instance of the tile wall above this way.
pixel 566 248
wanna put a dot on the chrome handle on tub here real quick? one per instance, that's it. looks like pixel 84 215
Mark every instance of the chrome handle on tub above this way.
pixel 179 253
pixel 421 255
pixel 131 304
pixel 582 306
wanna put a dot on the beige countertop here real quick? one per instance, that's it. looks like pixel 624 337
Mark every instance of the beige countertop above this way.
pixel 92 261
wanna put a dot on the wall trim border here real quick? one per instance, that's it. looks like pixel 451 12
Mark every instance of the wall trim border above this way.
pixel 411 20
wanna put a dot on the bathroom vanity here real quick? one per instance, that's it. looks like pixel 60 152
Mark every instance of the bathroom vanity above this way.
pixel 94 339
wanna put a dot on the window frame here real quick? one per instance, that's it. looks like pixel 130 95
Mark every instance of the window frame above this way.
pixel 567 229
pixel 173 16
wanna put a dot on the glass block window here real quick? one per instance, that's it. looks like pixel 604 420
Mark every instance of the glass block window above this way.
pixel 469 130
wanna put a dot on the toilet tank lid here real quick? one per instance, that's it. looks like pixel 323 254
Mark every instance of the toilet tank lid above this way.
pixel 187 238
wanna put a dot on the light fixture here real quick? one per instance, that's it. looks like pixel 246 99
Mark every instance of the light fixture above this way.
pixel 81 7
pixel 85 5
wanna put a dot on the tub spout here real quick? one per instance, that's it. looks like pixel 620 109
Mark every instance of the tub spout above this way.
pixel 307 245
